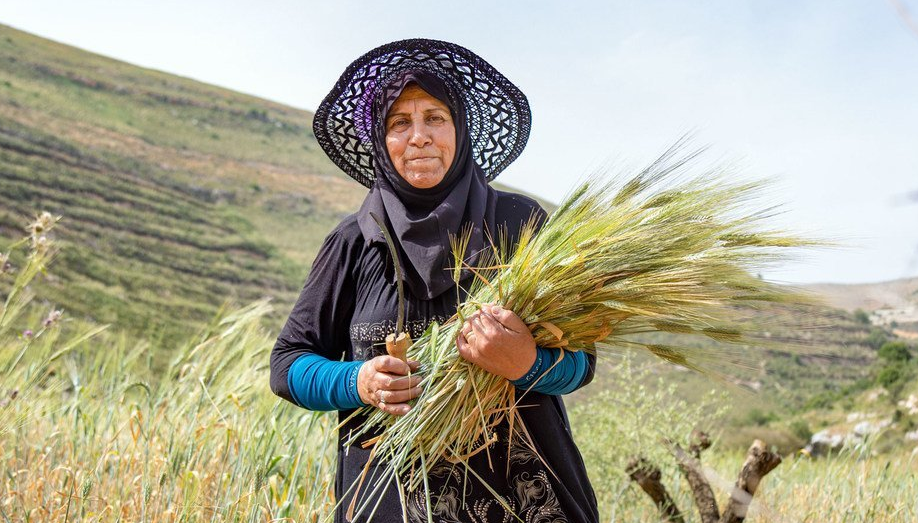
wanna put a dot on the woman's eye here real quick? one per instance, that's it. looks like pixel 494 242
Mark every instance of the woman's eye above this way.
pixel 399 123
pixel 436 118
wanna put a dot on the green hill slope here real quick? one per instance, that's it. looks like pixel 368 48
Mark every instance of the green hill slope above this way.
pixel 176 195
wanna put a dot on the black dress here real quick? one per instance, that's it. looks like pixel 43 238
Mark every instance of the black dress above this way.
pixel 347 307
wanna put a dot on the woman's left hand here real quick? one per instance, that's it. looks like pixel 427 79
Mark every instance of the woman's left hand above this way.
pixel 498 341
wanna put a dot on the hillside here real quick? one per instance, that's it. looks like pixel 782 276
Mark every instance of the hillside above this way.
pixel 870 296
pixel 176 195
pixel 893 304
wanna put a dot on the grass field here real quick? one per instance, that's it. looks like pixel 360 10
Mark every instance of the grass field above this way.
pixel 100 437
pixel 92 430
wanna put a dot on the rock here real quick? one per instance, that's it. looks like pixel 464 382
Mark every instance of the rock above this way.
pixel 856 416
pixel 834 439
pixel 877 394
pixel 824 442
pixel 910 404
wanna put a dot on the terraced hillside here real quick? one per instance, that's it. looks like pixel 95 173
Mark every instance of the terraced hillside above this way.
pixel 810 357
pixel 176 195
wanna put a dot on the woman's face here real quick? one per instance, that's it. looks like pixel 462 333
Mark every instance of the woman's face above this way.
pixel 420 137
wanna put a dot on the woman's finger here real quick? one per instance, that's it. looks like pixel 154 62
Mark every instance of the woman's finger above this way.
pixel 391 365
pixel 467 330
pixel 396 409
pixel 481 334
pixel 399 396
pixel 507 318
pixel 467 326
pixel 386 381
pixel 462 345
pixel 490 325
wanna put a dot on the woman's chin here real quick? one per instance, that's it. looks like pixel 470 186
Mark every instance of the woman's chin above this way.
pixel 423 180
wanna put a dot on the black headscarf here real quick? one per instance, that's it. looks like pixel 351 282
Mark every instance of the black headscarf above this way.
pixel 421 220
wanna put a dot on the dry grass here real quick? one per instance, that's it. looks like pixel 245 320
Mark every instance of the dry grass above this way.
pixel 90 430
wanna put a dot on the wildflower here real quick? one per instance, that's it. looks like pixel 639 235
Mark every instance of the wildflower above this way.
pixel 38 230
pixel 41 243
pixel 5 265
pixel 42 224
pixel 52 318
pixel 27 333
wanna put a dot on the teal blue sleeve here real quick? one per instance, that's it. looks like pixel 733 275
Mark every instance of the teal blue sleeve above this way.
pixel 317 383
pixel 565 377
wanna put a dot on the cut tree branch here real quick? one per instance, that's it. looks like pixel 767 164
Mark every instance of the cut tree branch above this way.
pixel 699 441
pixel 647 476
pixel 701 489
pixel 759 462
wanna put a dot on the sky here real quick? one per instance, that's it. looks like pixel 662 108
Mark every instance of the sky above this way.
pixel 820 96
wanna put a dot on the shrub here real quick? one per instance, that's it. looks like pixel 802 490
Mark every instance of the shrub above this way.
pixel 891 377
pixel 801 429
pixel 895 351
pixel 876 339
pixel 759 418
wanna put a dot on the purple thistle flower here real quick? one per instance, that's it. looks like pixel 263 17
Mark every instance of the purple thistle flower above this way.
pixel 52 318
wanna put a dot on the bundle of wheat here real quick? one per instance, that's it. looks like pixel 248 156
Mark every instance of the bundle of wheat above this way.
pixel 662 251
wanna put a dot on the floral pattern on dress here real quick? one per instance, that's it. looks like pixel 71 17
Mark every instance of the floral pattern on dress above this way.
pixel 459 497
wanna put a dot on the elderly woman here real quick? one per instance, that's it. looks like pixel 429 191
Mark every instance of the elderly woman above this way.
pixel 425 125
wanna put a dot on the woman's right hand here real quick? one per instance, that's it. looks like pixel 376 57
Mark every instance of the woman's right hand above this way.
pixel 384 381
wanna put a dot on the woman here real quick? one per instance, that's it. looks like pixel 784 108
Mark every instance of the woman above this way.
pixel 425 125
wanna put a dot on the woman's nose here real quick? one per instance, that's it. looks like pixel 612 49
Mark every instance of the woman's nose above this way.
pixel 420 136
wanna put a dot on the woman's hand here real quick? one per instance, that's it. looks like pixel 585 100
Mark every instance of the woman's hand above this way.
pixel 384 382
pixel 498 341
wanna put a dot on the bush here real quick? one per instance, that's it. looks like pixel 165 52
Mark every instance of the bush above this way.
pixel 892 377
pixel 801 429
pixel 895 351
pixel 823 400
pixel 759 418
pixel 861 316
pixel 876 339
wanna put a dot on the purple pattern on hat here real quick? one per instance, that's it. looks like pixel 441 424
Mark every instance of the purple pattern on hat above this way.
pixel 497 112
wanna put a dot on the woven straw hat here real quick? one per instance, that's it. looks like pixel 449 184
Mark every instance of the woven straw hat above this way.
pixel 497 111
